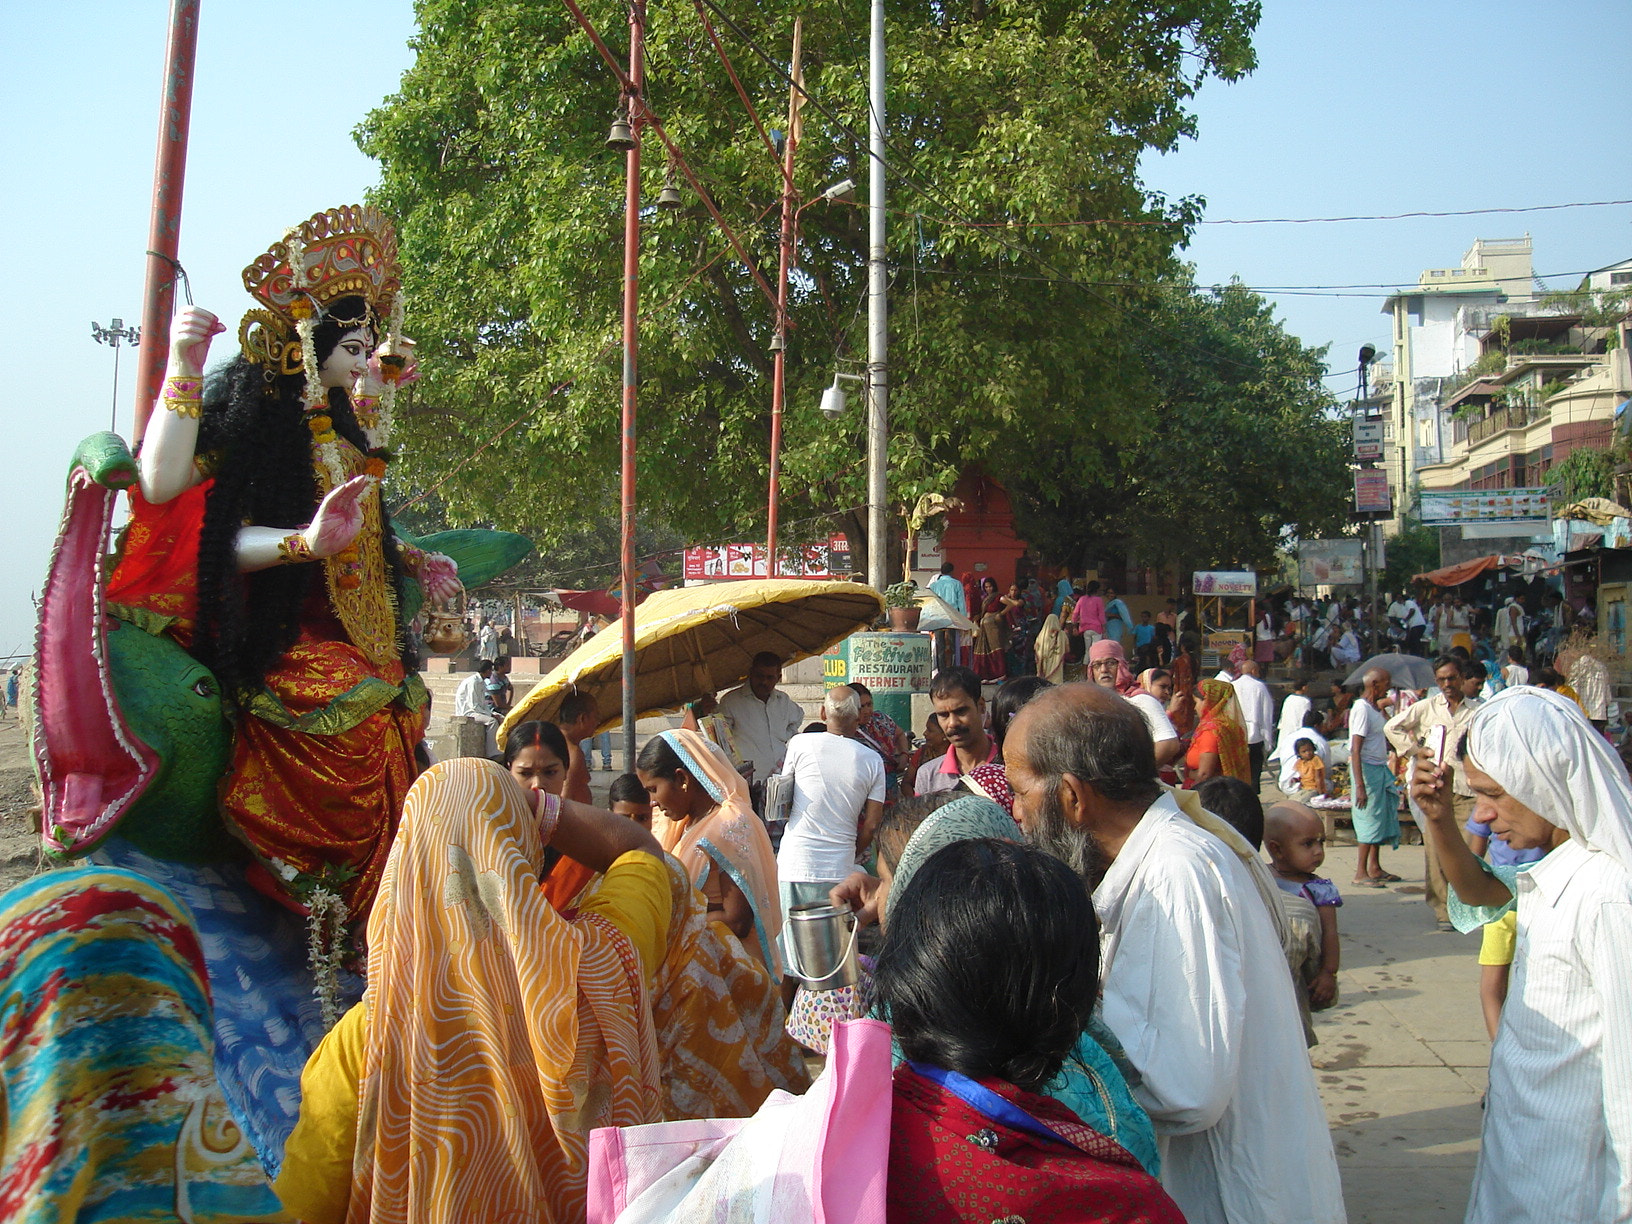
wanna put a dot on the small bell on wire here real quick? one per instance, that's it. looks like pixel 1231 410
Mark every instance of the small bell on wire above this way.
pixel 621 139
pixel 669 198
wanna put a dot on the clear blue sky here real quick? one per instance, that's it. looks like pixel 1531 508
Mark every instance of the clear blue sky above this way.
pixel 1379 106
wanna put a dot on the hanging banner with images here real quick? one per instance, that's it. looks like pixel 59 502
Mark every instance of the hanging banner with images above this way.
pixel 1331 563
pixel 715 562
pixel 1486 506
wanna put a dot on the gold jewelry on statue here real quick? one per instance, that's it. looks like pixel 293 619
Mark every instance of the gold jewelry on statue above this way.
pixel 293 549
pixel 343 252
pixel 182 396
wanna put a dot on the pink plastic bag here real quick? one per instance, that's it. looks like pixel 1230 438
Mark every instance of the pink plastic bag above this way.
pixel 821 1157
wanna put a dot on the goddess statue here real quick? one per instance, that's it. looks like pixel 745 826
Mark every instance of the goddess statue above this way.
pixel 257 527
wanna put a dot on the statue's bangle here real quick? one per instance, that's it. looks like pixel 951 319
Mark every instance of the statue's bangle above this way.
pixel 182 396
pixel 413 559
pixel 293 548
pixel 549 815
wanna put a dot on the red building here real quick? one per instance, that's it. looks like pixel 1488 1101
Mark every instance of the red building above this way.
pixel 979 538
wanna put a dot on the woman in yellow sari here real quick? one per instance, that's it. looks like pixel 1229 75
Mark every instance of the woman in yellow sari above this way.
pixel 494 1034
pixel 1220 743
pixel 708 823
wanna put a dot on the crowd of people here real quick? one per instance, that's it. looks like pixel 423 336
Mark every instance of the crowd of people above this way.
pixel 1098 960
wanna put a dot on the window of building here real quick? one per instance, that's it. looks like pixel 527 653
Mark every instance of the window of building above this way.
pixel 1620 278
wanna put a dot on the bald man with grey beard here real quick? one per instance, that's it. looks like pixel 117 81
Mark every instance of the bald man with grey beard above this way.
pixel 1194 978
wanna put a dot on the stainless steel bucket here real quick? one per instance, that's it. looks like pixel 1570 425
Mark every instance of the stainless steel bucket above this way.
pixel 822 946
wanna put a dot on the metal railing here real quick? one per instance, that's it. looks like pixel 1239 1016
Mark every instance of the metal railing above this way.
pixel 1512 416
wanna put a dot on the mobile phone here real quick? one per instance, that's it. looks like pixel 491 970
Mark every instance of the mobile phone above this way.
pixel 1436 743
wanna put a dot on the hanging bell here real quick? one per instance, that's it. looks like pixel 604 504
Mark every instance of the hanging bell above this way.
pixel 620 139
pixel 669 197
pixel 778 344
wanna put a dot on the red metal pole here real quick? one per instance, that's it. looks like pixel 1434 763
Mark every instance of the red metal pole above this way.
pixel 631 338
pixel 164 225
pixel 780 357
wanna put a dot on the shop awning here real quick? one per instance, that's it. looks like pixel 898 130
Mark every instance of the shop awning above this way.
pixel 1467 571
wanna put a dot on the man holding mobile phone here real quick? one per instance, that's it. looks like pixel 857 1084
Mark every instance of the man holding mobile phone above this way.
pixel 1438 724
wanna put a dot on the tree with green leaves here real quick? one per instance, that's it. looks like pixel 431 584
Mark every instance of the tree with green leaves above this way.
pixel 1241 441
pixel 1031 268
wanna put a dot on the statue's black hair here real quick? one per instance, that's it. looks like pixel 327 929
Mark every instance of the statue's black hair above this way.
pixel 253 436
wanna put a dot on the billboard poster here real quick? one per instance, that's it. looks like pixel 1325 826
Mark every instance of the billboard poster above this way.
pixel 1330 563
pixel 1486 506
pixel 1371 495
pixel 1224 582
pixel 1368 438
pixel 717 562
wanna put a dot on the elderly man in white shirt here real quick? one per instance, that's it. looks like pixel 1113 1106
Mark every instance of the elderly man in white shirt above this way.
pixel 1194 977
pixel 761 716
pixel 838 800
pixel 1557 1142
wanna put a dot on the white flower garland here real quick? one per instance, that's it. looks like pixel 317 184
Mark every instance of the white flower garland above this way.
pixel 325 949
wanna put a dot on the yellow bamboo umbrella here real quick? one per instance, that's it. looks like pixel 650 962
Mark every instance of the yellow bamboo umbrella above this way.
pixel 693 641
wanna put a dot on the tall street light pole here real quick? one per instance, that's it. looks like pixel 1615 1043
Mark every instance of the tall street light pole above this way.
pixel 878 323
pixel 112 334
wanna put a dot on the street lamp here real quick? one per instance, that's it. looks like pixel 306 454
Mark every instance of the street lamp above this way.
pixel 113 333
pixel 834 399
pixel 831 408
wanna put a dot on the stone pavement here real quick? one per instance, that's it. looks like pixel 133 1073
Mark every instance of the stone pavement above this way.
pixel 1402 1058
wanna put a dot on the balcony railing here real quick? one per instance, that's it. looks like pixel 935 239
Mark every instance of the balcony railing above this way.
pixel 1512 416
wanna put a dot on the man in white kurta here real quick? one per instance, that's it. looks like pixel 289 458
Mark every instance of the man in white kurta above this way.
pixel 1557 1142
pixel 1194 978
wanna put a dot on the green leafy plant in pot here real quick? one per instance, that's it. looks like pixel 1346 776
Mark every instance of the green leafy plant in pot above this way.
pixel 901 602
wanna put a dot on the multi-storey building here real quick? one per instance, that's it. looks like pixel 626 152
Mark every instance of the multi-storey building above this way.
pixel 1492 386
pixel 1435 338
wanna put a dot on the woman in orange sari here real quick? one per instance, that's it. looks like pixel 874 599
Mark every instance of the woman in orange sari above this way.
pixel 1220 743
pixel 494 1034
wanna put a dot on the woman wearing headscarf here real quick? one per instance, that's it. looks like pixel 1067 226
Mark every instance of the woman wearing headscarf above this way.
pixel 1557 1139
pixel 1220 743
pixel 107 1061
pixel 1050 650
pixel 494 1033
pixel 707 822
pixel 1062 600
pixel 717 1013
